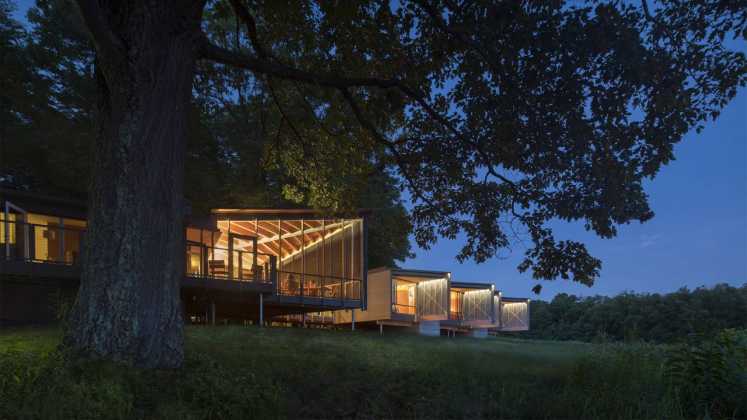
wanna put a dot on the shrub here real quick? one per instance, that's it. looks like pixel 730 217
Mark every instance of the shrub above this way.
pixel 709 377
pixel 47 386
pixel 624 379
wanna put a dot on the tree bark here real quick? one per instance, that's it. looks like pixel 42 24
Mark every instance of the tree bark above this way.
pixel 128 307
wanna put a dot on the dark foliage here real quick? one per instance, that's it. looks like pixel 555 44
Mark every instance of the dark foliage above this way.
pixel 661 318
pixel 710 376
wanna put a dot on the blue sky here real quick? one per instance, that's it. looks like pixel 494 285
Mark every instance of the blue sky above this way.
pixel 698 236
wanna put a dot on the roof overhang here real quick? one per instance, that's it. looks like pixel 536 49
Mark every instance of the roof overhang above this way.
pixel 472 285
pixel 45 204
pixel 265 213
pixel 514 300
pixel 427 274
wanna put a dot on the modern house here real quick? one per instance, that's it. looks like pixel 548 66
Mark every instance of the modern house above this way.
pixel 431 303
pixel 403 298
pixel 292 266
pixel 471 309
pixel 514 314
pixel 242 264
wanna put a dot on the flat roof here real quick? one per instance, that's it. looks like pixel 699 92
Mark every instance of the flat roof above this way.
pixel 34 202
pixel 419 273
pixel 514 299
pixel 268 212
pixel 472 285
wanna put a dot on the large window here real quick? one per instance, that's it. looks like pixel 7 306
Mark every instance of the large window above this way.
pixel 456 299
pixel 314 257
pixel 403 293
pixel 205 256
pixel 10 226
pixel 54 239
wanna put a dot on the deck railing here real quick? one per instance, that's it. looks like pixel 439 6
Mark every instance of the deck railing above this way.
pixel 456 315
pixel 55 244
pixel 317 286
pixel 223 263
pixel 401 308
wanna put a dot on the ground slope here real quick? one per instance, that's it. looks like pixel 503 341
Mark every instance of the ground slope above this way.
pixel 244 372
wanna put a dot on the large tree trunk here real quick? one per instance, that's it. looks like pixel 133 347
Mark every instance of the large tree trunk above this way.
pixel 128 307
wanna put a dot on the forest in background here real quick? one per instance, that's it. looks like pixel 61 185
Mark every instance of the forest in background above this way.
pixel 656 318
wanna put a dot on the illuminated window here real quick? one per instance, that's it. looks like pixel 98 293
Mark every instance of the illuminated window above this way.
pixel 404 296
pixel 11 228
pixel 455 302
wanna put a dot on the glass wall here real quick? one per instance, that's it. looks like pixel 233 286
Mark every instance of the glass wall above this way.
pixel 433 299
pixel 478 305
pixel 210 253
pixel 11 244
pixel 515 316
pixel 455 304
pixel 73 233
pixel 315 257
pixel 41 238
pixel 403 296
pixel 10 229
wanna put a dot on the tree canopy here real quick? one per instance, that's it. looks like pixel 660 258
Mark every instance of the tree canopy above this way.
pixel 498 116
pixel 495 117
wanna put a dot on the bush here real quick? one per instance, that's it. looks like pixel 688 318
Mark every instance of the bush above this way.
pixel 624 379
pixel 47 386
pixel 709 377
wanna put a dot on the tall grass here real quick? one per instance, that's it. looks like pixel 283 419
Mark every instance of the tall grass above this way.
pixel 234 372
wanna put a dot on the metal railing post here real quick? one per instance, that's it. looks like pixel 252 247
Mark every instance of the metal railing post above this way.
pixel 241 265
pixel 261 311
pixel 61 239
pixel 6 231
pixel 274 273
pixel 30 233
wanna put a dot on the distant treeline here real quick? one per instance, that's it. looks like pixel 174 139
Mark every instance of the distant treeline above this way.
pixel 662 318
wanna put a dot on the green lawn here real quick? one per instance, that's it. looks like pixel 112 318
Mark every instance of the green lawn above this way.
pixel 245 372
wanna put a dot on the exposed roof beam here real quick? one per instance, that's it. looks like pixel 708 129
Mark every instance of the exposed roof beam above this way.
pixel 299 232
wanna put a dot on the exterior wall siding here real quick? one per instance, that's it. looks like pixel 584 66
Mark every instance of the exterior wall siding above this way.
pixel 379 296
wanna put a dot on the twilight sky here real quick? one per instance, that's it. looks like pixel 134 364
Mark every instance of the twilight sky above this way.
pixel 698 236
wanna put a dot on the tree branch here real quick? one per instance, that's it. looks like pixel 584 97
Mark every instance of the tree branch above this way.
pixel 399 160
pixel 221 55
pixel 441 23
pixel 263 66
pixel 267 65
pixel 251 27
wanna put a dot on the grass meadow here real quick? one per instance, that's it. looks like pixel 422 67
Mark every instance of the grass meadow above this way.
pixel 249 372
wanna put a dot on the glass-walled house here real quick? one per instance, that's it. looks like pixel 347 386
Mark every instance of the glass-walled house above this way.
pixel 40 241
pixel 471 306
pixel 239 263
pixel 401 297
pixel 514 314
pixel 307 256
